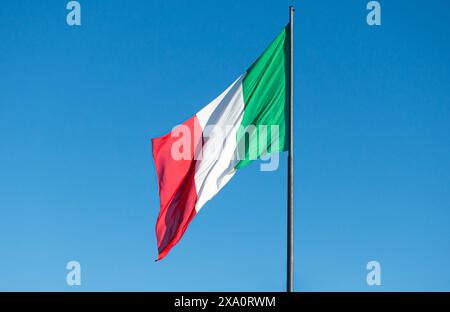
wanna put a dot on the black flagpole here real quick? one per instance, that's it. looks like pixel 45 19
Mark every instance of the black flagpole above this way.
pixel 290 208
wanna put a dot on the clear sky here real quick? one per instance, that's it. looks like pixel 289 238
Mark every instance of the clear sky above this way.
pixel 79 105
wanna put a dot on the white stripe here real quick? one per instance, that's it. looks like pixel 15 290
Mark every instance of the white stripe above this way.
pixel 220 121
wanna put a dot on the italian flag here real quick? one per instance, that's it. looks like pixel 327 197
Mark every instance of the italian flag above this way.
pixel 248 121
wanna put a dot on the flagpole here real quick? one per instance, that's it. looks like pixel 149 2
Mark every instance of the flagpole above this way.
pixel 290 208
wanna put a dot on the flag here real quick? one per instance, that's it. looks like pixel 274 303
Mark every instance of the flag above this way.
pixel 249 120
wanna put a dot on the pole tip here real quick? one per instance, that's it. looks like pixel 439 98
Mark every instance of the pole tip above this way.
pixel 292 8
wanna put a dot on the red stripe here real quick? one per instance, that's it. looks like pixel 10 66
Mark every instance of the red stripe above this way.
pixel 176 184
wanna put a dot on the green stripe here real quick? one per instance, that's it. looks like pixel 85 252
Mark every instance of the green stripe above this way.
pixel 266 99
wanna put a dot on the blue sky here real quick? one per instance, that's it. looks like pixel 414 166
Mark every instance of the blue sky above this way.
pixel 79 105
